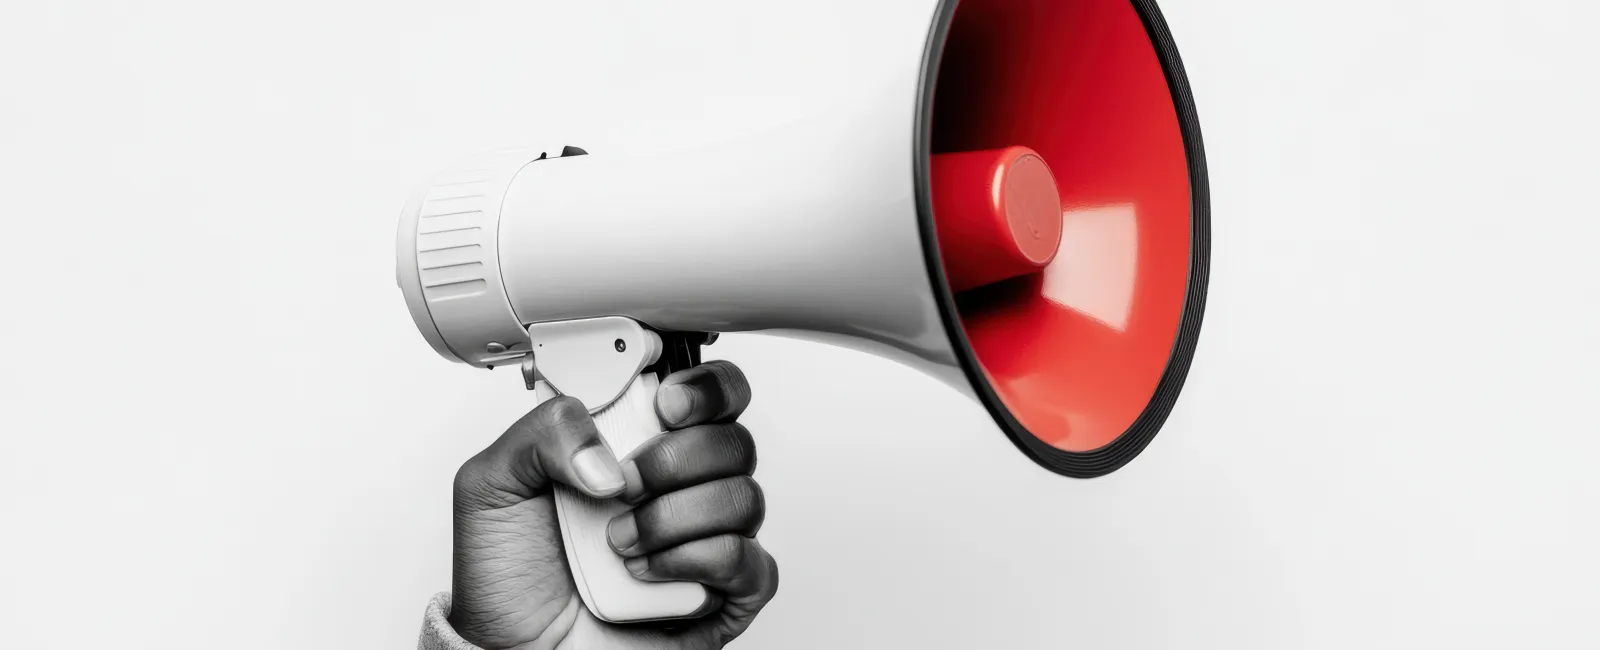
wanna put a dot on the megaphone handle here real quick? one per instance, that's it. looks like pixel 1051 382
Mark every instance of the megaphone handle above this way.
pixel 608 590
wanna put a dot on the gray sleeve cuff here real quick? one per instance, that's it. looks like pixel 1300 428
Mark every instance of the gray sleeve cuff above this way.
pixel 436 631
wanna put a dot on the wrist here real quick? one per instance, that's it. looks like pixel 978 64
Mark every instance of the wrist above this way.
pixel 481 631
pixel 506 630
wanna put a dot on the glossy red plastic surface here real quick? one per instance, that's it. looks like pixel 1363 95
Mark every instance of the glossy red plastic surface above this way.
pixel 998 214
pixel 1075 351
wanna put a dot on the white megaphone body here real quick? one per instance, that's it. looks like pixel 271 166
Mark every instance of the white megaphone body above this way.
pixel 1009 195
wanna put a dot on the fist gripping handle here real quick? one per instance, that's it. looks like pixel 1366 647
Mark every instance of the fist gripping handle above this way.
pixel 590 360
pixel 610 592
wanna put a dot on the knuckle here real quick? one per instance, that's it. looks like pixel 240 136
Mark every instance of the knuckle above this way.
pixel 731 382
pixel 758 514
pixel 720 370
pixel 667 459
pixel 725 370
pixel 745 494
pixel 748 503
pixel 734 442
pixel 658 516
pixel 727 557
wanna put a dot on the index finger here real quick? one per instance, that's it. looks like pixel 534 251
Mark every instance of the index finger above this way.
pixel 714 391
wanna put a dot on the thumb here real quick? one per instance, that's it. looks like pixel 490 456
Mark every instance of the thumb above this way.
pixel 555 443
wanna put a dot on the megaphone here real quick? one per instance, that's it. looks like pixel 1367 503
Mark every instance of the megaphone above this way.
pixel 1009 195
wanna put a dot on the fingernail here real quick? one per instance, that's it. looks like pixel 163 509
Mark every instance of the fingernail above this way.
pixel 635 489
pixel 622 532
pixel 675 403
pixel 599 471
pixel 637 565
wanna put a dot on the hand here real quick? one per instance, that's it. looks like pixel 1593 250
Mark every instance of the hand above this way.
pixel 695 518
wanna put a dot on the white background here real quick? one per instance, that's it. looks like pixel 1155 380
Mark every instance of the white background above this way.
pixel 221 429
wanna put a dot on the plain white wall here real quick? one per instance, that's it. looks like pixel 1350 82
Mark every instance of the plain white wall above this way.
pixel 220 428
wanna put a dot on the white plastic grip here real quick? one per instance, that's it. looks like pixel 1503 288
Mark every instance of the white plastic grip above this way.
pixel 608 590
